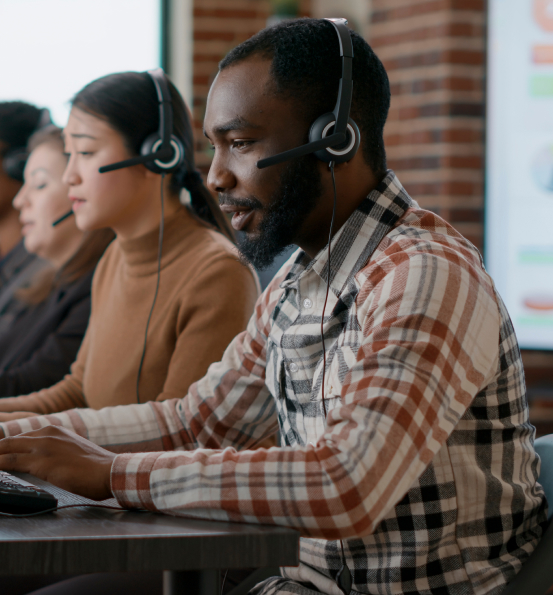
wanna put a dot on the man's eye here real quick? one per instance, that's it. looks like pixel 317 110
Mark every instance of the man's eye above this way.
pixel 240 144
pixel 41 186
pixel 85 153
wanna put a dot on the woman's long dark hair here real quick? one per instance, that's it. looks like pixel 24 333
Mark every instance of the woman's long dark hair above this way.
pixel 128 102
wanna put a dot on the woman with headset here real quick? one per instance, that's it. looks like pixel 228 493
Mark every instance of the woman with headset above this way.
pixel 42 326
pixel 170 292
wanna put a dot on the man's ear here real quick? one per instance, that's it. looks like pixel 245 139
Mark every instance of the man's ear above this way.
pixel 352 163
pixel 148 173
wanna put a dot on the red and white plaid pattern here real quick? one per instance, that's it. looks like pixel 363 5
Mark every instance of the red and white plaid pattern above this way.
pixel 424 466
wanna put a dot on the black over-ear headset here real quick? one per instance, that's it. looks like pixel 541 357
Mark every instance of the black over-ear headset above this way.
pixel 341 144
pixel 15 158
pixel 161 152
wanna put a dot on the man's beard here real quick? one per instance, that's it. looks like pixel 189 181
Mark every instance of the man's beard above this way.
pixel 290 204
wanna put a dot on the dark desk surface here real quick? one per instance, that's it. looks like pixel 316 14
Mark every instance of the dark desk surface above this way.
pixel 82 540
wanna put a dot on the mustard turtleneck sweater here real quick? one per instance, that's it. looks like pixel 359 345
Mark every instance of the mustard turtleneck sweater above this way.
pixel 206 297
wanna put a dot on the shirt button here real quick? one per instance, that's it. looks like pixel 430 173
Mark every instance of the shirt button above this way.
pixel 307 303
pixel 293 367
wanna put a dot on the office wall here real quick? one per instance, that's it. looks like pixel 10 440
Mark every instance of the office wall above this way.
pixel 434 52
pixel 358 12
pixel 219 25
pixel 435 55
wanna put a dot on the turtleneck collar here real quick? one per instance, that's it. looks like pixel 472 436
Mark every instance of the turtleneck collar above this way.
pixel 140 254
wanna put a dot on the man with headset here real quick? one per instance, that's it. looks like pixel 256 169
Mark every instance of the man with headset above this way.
pixel 385 358
pixel 18 121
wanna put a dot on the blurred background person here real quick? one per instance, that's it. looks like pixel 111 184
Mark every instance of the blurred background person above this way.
pixel 43 325
pixel 205 296
pixel 18 121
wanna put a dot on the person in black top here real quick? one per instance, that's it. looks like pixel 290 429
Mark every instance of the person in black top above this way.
pixel 42 327
pixel 18 121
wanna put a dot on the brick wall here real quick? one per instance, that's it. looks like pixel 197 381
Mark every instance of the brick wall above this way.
pixel 434 52
pixel 219 25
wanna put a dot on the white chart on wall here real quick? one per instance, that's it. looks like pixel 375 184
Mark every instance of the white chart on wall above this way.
pixel 519 171
pixel 49 49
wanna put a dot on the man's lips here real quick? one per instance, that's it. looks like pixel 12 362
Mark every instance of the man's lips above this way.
pixel 241 216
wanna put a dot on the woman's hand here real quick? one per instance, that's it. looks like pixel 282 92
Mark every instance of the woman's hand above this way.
pixel 9 404
pixel 61 457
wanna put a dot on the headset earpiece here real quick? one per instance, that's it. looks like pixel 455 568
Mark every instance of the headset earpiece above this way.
pixel 162 144
pixel 328 131
pixel 323 127
pixel 152 144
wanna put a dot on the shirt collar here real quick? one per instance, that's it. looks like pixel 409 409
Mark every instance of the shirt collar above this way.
pixel 358 238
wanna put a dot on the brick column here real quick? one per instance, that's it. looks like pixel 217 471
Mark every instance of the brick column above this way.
pixel 219 25
pixel 434 52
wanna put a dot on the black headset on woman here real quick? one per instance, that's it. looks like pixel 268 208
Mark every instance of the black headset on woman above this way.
pixel 161 152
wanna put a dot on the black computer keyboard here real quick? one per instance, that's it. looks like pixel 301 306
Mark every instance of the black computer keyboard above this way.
pixel 18 496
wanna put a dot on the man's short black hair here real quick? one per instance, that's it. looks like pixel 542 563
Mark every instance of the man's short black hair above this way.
pixel 18 120
pixel 306 66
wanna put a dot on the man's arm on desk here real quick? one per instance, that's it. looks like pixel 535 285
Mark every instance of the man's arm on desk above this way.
pixel 230 405
pixel 430 344
pixel 5 417
pixel 426 352
pixel 62 458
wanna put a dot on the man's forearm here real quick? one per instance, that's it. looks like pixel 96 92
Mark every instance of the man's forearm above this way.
pixel 128 428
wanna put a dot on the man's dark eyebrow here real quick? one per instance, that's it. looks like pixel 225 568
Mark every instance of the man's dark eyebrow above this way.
pixel 238 123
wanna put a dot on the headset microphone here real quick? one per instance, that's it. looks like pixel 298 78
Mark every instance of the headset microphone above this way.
pixel 62 218
pixel 161 152
pixel 334 137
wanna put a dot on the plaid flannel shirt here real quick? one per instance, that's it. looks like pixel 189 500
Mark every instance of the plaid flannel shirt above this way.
pixel 424 465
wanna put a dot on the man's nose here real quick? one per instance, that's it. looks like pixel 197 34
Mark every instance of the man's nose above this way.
pixel 220 178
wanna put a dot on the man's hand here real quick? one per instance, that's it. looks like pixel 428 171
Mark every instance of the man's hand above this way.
pixel 16 415
pixel 61 457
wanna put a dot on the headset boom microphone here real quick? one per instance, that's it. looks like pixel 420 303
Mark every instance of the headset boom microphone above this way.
pixel 62 218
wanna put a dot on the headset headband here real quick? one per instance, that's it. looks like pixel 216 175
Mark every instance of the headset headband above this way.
pixel 341 109
pixel 345 86
pixel 165 109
